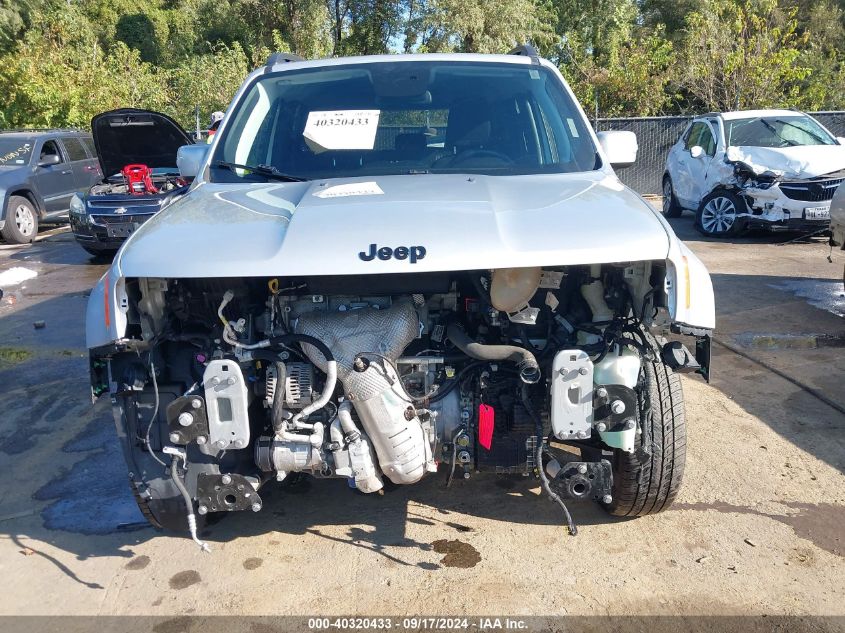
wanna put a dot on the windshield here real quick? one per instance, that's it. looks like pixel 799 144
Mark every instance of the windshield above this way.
pixel 405 118
pixel 777 131
pixel 15 151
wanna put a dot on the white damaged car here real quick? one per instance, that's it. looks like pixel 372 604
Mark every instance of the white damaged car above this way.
pixel 396 267
pixel 754 169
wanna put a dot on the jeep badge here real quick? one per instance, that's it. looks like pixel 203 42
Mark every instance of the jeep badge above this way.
pixel 411 253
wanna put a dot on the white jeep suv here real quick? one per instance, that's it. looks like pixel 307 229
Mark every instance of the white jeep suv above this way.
pixel 389 266
pixel 761 169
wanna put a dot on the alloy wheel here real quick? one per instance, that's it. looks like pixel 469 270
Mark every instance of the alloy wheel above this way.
pixel 667 197
pixel 718 215
pixel 24 220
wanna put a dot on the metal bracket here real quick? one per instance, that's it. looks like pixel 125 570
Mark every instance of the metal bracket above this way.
pixel 572 395
pixel 226 493
pixel 616 413
pixel 584 480
pixel 187 420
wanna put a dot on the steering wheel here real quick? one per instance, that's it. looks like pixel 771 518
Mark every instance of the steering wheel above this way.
pixel 473 154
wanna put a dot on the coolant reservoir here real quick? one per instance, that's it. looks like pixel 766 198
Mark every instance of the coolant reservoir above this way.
pixel 512 288
pixel 618 368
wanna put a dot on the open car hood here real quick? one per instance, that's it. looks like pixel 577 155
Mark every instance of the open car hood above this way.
pixel 129 136
pixel 329 227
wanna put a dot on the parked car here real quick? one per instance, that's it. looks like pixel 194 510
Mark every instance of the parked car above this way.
pixel 325 303
pixel 40 170
pixel 754 169
pixel 137 154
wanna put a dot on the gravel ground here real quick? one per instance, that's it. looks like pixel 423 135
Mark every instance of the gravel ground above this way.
pixel 757 528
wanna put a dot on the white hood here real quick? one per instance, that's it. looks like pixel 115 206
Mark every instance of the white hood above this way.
pixel 802 161
pixel 463 223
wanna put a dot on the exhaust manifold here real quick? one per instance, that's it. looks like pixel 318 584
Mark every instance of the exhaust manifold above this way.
pixel 386 413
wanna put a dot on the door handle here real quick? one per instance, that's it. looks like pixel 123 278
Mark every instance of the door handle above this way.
pixel 67 171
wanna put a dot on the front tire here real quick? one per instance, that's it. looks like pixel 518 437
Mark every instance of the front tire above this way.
pixel 719 215
pixel 21 221
pixel 671 207
pixel 648 486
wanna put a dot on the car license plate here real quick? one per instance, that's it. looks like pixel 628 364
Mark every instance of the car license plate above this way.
pixel 817 213
pixel 122 230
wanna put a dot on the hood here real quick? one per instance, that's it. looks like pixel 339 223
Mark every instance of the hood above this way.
pixel 802 161
pixel 129 136
pixel 11 174
pixel 449 222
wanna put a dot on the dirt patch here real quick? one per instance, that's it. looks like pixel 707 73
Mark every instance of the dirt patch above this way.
pixel 139 562
pixel 184 579
pixel 457 553
pixel 13 355
pixel 252 563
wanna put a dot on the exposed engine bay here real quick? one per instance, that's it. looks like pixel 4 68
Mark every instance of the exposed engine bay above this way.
pixel 138 180
pixel 223 385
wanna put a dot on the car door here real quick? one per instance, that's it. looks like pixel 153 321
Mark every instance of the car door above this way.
pixel 692 164
pixel 53 177
pixel 80 162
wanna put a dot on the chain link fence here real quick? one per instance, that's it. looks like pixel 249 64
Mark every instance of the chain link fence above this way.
pixel 656 135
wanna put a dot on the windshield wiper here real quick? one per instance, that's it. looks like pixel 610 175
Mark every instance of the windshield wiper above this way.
pixel 263 170
pixel 807 132
pixel 776 133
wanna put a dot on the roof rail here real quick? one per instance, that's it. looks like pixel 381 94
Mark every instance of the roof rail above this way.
pixel 283 58
pixel 40 129
pixel 526 50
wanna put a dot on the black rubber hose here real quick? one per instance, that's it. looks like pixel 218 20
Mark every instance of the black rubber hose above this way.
pixel 287 339
pixel 540 448
pixel 529 370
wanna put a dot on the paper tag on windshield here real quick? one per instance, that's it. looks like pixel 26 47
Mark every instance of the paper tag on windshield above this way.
pixel 341 129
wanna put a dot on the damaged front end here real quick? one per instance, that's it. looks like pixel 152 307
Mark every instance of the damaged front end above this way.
pixel 220 386
pixel 777 199
pixel 776 202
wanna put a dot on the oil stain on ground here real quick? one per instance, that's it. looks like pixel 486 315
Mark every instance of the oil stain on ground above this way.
pixel 252 563
pixel 457 553
pixel 93 497
pixel 139 562
pixel 184 579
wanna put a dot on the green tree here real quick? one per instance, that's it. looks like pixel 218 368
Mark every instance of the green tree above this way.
pixel 741 54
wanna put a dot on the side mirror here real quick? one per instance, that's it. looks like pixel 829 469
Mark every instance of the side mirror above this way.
pixel 49 160
pixel 620 147
pixel 189 160
pixel 696 151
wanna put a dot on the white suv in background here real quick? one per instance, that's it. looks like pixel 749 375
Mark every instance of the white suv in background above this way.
pixel 769 169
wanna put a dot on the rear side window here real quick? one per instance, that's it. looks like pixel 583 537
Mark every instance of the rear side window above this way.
pixel 74 148
pixel 88 142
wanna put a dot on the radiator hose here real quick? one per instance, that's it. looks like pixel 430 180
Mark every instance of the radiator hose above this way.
pixel 529 370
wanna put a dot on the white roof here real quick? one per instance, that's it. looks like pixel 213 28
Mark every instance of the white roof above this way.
pixel 750 114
